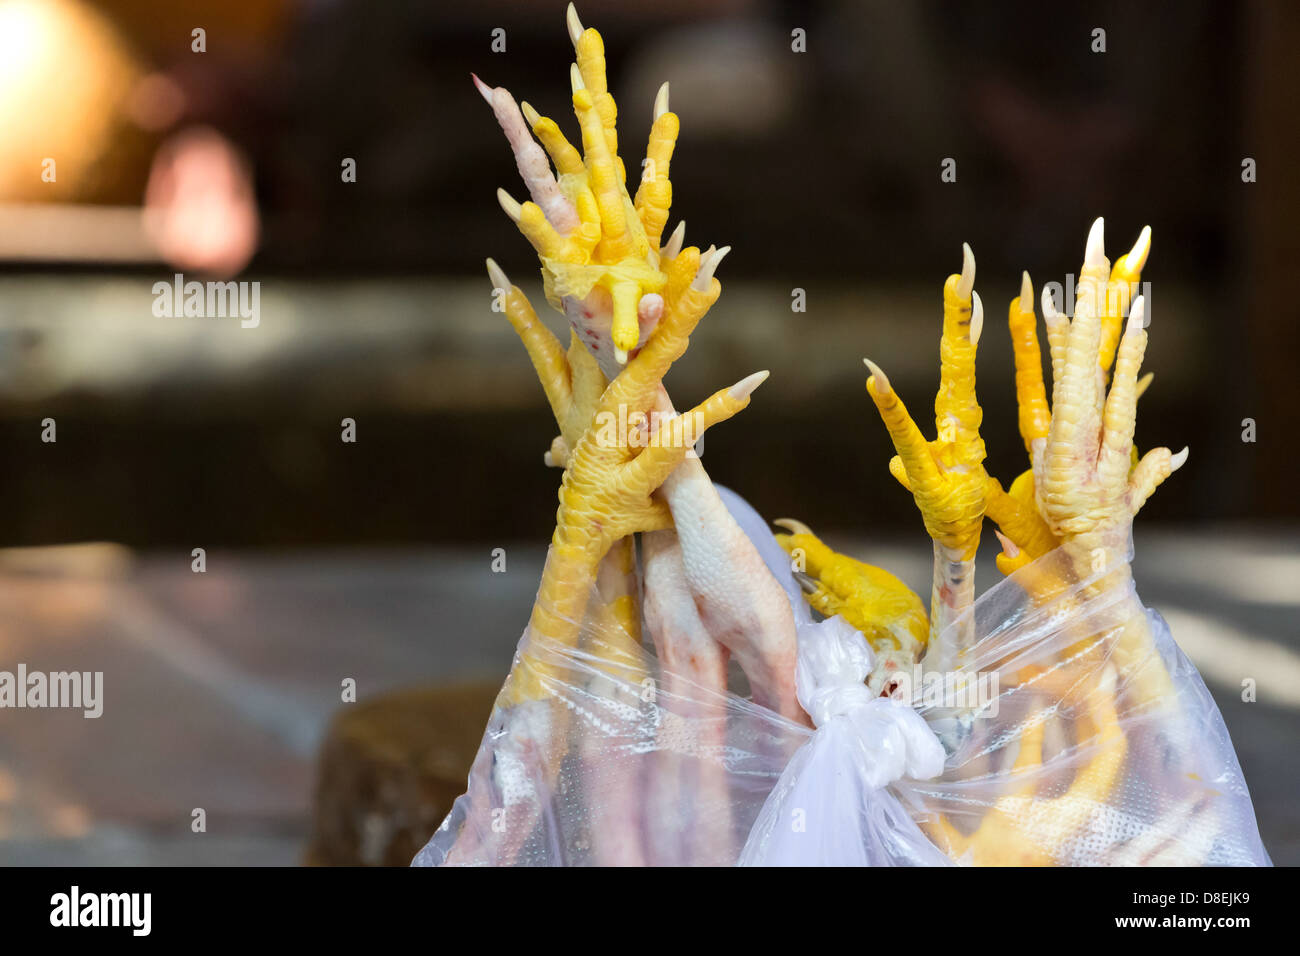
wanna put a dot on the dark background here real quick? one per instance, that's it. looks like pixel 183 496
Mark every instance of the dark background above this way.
pixel 821 169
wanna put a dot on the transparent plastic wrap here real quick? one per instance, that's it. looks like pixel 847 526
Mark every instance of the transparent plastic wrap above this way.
pixel 1103 745
pixel 1074 733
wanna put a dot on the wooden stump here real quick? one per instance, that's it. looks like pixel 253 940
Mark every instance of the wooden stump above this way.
pixel 389 771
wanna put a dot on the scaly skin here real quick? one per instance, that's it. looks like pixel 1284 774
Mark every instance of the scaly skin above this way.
pixel 610 277
pixel 888 613
pixel 947 479
pixel 601 260
pixel 1015 511
pixel 1084 459
pixel 598 247
pixel 946 476
pixel 1081 495
pixel 605 496
pixel 608 481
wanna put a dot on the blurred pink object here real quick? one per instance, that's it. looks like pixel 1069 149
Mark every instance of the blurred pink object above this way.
pixel 200 210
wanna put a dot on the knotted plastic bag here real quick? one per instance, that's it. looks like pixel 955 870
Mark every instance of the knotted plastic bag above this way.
pixel 1073 733
pixel 830 807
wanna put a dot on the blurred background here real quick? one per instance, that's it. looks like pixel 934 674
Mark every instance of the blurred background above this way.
pixel 140 139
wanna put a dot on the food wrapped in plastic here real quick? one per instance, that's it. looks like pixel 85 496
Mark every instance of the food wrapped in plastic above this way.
pixel 1074 733
pixel 1104 746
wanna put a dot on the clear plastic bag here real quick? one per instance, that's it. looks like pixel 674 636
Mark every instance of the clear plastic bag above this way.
pixel 1074 733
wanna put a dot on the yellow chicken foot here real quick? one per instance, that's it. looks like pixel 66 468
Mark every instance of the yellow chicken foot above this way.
pixel 889 614
pixel 1081 496
pixel 601 261
pixel 1016 511
pixel 1086 486
pixel 1095 428
pixel 573 383
pixel 613 282
pixel 1090 504
pixel 1024 828
pixel 606 490
pixel 946 476
pixel 605 496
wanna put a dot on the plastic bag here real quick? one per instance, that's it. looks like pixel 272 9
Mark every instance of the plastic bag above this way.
pixel 1104 747
pixel 1075 733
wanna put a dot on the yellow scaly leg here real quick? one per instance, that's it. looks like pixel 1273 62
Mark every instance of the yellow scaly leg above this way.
pixel 887 612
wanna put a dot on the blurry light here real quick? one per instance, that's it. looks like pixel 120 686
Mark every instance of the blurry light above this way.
pixel 64 73
pixel 26 30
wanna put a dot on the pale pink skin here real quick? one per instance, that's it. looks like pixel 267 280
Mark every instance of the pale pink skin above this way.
pixel 952 595
pixel 534 166
pixel 495 787
pixel 612 773
pixel 693 682
pixel 593 318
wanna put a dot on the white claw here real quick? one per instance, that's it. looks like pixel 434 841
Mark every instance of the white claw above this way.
pixel 620 356
pixel 530 114
pixel 705 258
pixel 882 382
pixel 1094 254
pixel 497 276
pixel 1137 256
pixel 1177 461
pixel 966 281
pixel 1009 547
pixel 708 264
pixel 661 101
pixel 1026 293
pixel 509 204
pixel 792 525
pixel 575 78
pixel 1050 315
pixel 745 387
pixel 976 318
pixel 573 23
pixel 484 90
pixel 1137 314
pixel 674 246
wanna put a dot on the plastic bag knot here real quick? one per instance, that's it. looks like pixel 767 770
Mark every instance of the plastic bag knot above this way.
pixel 893 739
